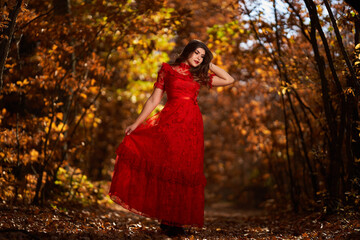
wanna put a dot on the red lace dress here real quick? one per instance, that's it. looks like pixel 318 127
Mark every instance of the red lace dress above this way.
pixel 158 171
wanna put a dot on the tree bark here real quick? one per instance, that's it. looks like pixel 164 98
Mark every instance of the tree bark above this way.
pixel 354 81
pixel 61 7
pixel 336 130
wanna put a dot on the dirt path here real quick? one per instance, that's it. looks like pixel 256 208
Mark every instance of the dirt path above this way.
pixel 221 222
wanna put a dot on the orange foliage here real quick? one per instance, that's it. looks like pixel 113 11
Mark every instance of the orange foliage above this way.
pixel 73 81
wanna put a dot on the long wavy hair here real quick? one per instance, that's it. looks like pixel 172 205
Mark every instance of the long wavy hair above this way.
pixel 200 72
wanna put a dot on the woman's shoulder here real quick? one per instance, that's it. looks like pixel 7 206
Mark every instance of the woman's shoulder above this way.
pixel 166 67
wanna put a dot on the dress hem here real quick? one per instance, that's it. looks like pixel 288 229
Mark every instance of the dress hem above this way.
pixel 123 204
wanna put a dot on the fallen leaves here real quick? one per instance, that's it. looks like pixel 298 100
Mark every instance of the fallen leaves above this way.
pixel 100 222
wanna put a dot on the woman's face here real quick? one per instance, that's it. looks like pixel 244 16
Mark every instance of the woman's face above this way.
pixel 196 57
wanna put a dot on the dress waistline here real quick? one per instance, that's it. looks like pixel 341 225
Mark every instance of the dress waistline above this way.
pixel 184 98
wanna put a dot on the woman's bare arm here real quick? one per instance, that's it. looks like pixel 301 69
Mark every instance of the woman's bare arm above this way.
pixel 222 78
pixel 149 106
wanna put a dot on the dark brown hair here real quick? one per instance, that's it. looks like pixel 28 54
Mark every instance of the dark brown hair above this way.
pixel 200 72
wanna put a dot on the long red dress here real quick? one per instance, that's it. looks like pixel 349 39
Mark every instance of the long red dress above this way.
pixel 158 171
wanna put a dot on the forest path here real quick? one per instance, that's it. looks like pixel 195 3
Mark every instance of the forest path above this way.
pixel 221 222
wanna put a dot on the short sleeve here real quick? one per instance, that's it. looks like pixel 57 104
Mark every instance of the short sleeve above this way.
pixel 211 76
pixel 160 82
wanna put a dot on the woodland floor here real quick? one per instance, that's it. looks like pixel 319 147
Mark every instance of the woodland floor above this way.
pixel 222 222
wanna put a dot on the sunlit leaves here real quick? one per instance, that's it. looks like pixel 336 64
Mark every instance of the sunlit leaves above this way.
pixel 274 61
pixel 74 65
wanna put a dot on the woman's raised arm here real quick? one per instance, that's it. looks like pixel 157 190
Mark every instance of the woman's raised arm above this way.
pixel 222 78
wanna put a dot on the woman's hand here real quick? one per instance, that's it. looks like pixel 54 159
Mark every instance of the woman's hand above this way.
pixel 149 106
pixel 131 128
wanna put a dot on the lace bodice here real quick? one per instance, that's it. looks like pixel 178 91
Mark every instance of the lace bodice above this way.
pixel 178 81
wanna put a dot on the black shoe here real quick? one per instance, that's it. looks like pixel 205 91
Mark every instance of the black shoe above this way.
pixel 164 227
pixel 172 231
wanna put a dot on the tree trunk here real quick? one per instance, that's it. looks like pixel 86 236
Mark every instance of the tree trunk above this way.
pixel 336 129
pixel 353 80
pixel 5 43
pixel 61 7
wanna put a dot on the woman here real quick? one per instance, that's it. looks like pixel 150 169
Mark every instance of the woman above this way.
pixel 158 171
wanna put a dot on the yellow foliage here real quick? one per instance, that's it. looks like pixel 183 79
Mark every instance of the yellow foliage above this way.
pixel 220 89
pixel 34 155
pixel 266 131
pixel 60 115
pixel 349 90
pixel 90 115
pixel 83 95
pixel 23 83
pixel 94 90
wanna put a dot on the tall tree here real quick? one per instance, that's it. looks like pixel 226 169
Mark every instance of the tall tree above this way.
pixel 12 9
